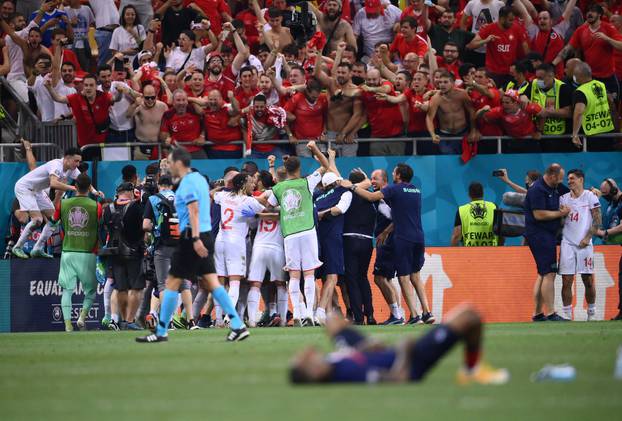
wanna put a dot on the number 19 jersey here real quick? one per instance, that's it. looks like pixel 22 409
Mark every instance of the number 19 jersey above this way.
pixel 269 235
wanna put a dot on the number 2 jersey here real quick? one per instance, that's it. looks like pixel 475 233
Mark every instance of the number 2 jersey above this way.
pixel 579 221
pixel 234 226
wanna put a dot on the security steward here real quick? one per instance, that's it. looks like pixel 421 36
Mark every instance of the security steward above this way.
pixel 474 221
pixel 592 111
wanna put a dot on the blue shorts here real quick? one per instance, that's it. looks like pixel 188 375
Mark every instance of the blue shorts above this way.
pixel 543 246
pixel 384 265
pixel 409 257
pixel 331 255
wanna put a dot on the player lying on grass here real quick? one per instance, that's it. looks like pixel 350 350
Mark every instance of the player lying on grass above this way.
pixel 359 359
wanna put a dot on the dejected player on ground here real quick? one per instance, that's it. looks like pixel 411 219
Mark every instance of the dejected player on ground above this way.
pixel 194 256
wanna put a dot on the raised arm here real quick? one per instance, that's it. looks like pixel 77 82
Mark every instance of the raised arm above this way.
pixel 319 73
pixel 255 6
pixel 243 51
pixel 55 96
pixel 319 156
pixel 568 10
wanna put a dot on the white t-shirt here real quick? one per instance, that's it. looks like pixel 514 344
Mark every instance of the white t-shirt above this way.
pixel 122 40
pixel 376 29
pixel 45 103
pixel 63 90
pixel 85 19
pixel 482 14
pixel 234 226
pixel 269 235
pixel 39 179
pixel 177 58
pixel 118 119
pixel 579 220
pixel 16 55
pixel 105 11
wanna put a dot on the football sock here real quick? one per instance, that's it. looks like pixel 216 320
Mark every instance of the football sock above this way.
pixel 395 310
pixel 320 313
pixel 281 296
pixel 168 305
pixel 567 310
pixel 47 231
pixel 294 292
pixel 253 304
pixel 221 297
pixel 25 233
pixel 242 304
pixel 65 303
pixel 591 309
pixel 310 294
pixel 89 297
pixel 108 288
pixel 471 358
pixel 199 302
pixel 218 310
pixel 234 292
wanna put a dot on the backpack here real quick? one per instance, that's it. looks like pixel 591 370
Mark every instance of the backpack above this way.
pixel 117 239
pixel 167 222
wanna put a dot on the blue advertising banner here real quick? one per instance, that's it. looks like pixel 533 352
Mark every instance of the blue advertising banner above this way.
pixel 36 295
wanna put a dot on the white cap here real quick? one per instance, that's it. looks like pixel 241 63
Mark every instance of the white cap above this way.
pixel 144 53
pixel 329 178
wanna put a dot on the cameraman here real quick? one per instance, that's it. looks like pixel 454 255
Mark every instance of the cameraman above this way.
pixel 122 222
pixel 160 219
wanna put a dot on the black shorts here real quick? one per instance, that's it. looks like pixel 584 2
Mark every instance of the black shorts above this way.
pixel 187 264
pixel 127 273
pixel 430 348
pixel 409 257
pixel 543 247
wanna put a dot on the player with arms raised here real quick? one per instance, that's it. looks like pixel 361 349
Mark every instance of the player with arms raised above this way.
pixel 577 253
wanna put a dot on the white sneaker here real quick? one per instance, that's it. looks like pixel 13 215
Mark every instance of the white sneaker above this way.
pixel 591 317
pixel 81 324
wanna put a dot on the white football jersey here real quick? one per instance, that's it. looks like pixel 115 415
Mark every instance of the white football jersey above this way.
pixel 234 226
pixel 39 178
pixel 269 234
pixel 579 221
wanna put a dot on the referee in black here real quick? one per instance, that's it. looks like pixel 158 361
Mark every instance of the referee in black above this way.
pixel 358 232
pixel 543 217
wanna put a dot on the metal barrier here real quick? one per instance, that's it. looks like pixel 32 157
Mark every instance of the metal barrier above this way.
pixel 57 150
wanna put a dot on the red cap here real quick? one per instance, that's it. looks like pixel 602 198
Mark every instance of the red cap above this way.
pixel 374 6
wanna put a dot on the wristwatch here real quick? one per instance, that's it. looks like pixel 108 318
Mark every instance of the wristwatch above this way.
pixel 353 187
pixel 195 239
pixel 606 235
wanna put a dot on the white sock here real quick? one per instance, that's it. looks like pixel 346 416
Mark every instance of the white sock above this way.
pixel 108 288
pixel 115 318
pixel 272 308
pixel 310 294
pixel 320 314
pixel 199 303
pixel 281 298
pixel 241 307
pixel 25 233
pixel 591 309
pixel 47 232
pixel 398 290
pixel 294 293
pixel 234 292
pixel 567 310
pixel 253 305
pixel 395 310
pixel 218 310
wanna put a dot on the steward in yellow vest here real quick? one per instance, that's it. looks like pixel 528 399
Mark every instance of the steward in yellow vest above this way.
pixel 474 221
pixel 554 97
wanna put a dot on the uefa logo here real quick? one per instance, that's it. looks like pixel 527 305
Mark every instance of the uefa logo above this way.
pixel 57 314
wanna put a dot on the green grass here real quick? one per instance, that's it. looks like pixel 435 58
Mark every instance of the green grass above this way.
pixel 196 375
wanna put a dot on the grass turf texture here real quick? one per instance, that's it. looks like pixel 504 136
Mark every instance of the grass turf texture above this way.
pixel 196 375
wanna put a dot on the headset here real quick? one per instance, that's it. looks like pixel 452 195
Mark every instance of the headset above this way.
pixel 613 190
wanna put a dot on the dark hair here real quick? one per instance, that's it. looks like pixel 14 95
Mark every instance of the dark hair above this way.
pixel 314 85
pixel 533 175
pixel 577 172
pixel 445 74
pixel 292 164
pixel 68 63
pixel 465 68
pixel 596 8
pixel 298 376
pixel 189 34
pixel 251 164
pixel 345 64
pixel 72 151
pixel 409 20
pixel 296 67
pixel 523 66
pixel 35 29
pixel 260 98
pixel 266 179
pixel 165 180
pixel 476 190
pixel 404 171
pixel 356 177
pixel 181 155
pixel 14 16
pixel 263 48
pixel 534 56
pixel 547 67
pixel 239 181
pixel 451 44
pixel 153 168
pixel 83 167
pixel 128 172
pixel 44 56
pixel 406 74
pixel 103 68
pixel 246 69
pixel 229 169
pixel 273 12
pixel 122 16
pixel 58 31
pixel 505 11
pixel 291 49
pixel 83 183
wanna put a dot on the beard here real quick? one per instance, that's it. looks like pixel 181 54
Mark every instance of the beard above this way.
pixel 215 70
pixel 333 16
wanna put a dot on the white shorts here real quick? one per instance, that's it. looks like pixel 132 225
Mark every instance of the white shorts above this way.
pixel 301 252
pixel 575 260
pixel 32 201
pixel 267 258
pixel 230 258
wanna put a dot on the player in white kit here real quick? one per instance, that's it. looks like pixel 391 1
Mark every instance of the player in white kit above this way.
pixel 230 245
pixel 34 202
pixel 577 253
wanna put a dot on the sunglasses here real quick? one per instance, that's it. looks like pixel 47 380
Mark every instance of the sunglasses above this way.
pixel 150 97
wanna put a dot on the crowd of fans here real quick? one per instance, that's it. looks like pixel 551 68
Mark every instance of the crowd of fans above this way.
pixel 213 74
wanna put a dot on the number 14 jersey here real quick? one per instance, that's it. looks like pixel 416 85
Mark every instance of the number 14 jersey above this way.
pixel 579 220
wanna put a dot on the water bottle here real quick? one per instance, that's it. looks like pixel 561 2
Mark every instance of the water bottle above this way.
pixel 555 373
pixel 617 374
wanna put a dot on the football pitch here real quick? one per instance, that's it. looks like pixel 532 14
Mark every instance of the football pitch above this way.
pixel 197 375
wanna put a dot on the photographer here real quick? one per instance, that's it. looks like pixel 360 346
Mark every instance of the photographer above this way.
pixel 160 219
pixel 517 197
pixel 123 222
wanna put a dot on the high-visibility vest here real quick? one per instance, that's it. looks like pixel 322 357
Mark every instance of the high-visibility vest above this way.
pixel 597 115
pixel 477 224
pixel 551 125
pixel 521 89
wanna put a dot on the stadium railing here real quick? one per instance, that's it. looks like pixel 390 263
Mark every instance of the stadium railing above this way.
pixel 54 150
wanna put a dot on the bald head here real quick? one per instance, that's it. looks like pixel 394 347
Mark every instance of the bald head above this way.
pixel 570 66
pixel 610 190
pixel 582 72
pixel 373 77
pixel 379 179
pixel 554 175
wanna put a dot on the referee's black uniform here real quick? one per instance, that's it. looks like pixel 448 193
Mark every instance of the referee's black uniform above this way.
pixel 358 231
